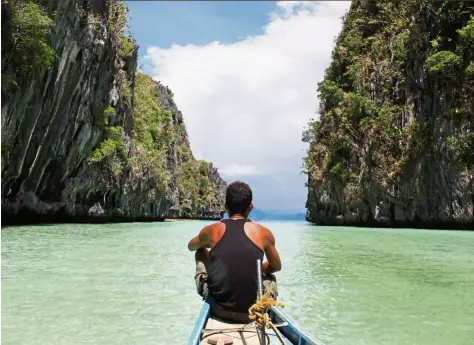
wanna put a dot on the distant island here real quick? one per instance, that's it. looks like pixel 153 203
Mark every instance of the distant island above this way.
pixel 258 215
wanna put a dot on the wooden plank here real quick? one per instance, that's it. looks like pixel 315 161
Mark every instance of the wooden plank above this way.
pixel 250 333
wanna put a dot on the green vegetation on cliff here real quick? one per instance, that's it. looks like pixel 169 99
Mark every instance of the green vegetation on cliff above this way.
pixel 397 98
pixel 25 36
pixel 153 131
pixel 118 24
pixel 152 135
pixel 196 190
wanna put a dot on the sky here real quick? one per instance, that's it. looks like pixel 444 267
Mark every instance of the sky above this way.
pixel 244 74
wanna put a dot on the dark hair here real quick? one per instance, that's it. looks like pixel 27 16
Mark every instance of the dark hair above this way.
pixel 238 197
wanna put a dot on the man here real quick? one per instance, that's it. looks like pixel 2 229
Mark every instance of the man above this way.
pixel 226 258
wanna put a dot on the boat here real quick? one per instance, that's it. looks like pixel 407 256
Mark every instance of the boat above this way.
pixel 206 326
pixel 210 330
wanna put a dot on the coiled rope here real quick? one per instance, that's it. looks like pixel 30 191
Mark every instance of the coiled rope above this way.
pixel 259 312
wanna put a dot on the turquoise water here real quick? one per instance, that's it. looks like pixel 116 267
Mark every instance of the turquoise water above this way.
pixel 133 284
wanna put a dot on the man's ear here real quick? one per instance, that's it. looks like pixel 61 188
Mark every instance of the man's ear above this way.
pixel 251 207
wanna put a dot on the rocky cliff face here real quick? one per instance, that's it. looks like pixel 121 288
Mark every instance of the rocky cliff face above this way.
pixel 198 189
pixel 394 144
pixel 84 135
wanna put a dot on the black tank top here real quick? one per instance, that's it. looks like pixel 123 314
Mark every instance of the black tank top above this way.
pixel 232 272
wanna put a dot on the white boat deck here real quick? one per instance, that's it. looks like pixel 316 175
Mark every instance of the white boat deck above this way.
pixel 244 334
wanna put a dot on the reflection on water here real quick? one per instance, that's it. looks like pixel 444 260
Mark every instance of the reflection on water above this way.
pixel 133 284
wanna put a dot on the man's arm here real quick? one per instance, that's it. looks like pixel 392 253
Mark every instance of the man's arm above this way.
pixel 274 263
pixel 200 241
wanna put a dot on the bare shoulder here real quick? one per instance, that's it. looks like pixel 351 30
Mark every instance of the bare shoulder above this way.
pixel 212 227
pixel 266 232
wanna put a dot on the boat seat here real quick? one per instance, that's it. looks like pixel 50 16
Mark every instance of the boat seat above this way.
pixel 220 340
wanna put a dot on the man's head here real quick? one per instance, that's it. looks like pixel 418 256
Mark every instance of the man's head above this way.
pixel 238 199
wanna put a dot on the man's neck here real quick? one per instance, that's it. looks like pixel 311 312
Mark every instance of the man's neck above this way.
pixel 237 216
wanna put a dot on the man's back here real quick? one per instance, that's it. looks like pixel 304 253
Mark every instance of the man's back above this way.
pixel 232 270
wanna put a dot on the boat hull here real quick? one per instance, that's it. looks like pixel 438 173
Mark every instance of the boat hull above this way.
pixel 290 329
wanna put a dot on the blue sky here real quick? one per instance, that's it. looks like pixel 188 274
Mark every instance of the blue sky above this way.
pixel 163 23
pixel 244 74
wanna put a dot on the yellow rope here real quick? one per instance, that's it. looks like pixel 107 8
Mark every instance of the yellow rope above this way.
pixel 259 312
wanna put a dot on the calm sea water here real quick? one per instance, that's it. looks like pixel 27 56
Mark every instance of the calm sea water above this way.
pixel 133 284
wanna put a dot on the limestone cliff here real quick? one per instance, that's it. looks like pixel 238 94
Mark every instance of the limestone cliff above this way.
pixel 394 144
pixel 84 135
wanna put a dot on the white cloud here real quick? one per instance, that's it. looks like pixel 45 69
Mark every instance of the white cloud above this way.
pixel 236 170
pixel 246 104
